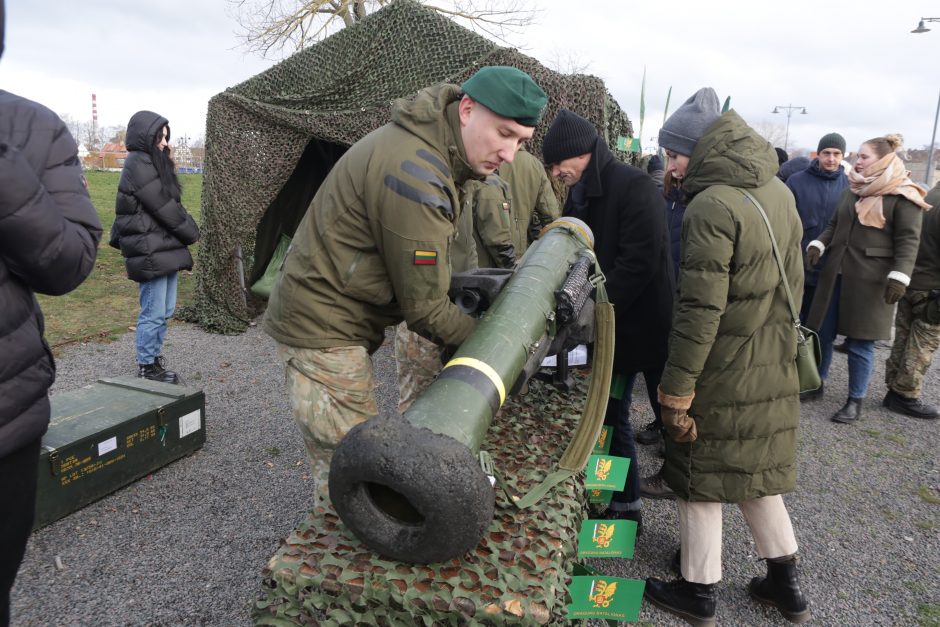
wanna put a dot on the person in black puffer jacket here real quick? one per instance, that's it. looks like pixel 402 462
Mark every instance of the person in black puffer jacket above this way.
pixel 49 233
pixel 153 230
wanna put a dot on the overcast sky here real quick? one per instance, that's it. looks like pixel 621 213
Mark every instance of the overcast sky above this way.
pixel 855 66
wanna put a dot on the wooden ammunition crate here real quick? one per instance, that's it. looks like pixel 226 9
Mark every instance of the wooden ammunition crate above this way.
pixel 108 434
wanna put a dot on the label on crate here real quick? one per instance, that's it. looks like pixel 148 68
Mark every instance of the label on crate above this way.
pixel 189 423
pixel 107 446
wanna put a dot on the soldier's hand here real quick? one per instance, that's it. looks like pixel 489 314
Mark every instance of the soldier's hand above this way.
pixel 894 290
pixel 812 257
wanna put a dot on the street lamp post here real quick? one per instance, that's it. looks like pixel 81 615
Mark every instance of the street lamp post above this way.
pixel 789 109
pixel 933 137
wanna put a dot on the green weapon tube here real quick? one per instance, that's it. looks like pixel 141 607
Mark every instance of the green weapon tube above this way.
pixel 411 487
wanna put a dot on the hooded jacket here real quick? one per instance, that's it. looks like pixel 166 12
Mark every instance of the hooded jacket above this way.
pixel 151 228
pixel 49 233
pixel 816 192
pixel 374 246
pixel 732 342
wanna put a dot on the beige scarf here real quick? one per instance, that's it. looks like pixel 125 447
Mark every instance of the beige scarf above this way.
pixel 884 177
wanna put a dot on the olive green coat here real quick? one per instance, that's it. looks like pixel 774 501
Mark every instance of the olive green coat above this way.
pixel 864 255
pixel 492 224
pixel 374 246
pixel 530 194
pixel 732 342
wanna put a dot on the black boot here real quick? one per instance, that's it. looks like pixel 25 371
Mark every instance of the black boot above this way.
pixel 654 487
pixel 781 589
pixel 850 412
pixel 692 602
pixel 626 514
pixel 913 407
pixel 156 372
pixel 650 434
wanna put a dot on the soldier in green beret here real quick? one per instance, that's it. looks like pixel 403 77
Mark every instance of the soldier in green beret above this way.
pixel 374 247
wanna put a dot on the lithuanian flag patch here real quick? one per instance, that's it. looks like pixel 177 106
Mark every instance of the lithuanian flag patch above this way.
pixel 425 257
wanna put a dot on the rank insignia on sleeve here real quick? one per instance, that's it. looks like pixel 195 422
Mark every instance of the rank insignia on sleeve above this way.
pixel 425 257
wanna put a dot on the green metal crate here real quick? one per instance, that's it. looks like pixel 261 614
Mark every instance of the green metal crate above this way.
pixel 110 433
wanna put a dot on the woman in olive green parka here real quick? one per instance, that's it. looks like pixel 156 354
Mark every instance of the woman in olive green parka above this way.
pixel 730 391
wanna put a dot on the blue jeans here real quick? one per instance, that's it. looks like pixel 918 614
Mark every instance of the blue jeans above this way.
pixel 861 352
pixel 157 302
pixel 622 442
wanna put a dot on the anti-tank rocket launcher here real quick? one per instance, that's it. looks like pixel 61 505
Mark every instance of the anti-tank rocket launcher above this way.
pixel 413 487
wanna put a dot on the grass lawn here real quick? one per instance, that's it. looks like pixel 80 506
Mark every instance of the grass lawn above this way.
pixel 106 303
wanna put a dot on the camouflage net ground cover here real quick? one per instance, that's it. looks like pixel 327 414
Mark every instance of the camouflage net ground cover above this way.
pixel 336 92
pixel 517 575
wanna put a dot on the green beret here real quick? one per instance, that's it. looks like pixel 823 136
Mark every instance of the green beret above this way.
pixel 508 92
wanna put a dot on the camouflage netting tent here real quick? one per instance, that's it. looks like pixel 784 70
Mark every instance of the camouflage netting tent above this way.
pixel 271 140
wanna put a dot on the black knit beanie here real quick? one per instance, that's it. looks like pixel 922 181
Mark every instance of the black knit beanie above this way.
pixel 782 156
pixel 570 135
pixel 832 140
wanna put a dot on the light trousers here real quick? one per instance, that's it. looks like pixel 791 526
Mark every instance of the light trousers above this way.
pixel 700 534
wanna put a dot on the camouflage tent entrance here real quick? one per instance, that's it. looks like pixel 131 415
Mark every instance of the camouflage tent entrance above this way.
pixel 271 140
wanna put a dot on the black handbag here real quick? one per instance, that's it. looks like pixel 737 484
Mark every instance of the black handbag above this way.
pixel 808 350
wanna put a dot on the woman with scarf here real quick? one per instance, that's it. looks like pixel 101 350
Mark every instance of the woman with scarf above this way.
pixel 870 247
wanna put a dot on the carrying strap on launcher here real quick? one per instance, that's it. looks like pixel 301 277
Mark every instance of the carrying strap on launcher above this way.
pixel 794 312
pixel 575 457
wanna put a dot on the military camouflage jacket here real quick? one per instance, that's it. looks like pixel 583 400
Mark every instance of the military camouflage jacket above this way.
pixel 373 248
pixel 530 194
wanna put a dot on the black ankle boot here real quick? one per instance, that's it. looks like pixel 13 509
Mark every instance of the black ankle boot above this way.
pixel 850 412
pixel 156 372
pixel 913 407
pixel 781 589
pixel 692 602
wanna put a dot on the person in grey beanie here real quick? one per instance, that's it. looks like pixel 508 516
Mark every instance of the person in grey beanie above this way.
pixel 624 210
pixel 729 391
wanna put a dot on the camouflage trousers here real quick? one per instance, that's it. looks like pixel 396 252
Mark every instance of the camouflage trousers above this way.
pixel 418 362
pixel 331 391
pixel 915 341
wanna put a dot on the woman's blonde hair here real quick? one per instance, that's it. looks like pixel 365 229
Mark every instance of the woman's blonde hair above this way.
pixel 885 145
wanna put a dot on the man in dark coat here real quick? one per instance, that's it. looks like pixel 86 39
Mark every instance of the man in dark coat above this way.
pixel 623 207
pixel 49 233
pixel 816 190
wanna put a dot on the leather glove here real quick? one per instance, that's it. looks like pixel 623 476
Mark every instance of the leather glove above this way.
pixel 894 290
pixel 680 426
pixel 812 258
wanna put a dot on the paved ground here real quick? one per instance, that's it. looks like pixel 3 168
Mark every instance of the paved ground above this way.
pixel 185 546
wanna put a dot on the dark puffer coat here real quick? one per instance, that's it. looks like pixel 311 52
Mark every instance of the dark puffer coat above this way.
pixel 733 342
pixel 49 233
pixel 152 228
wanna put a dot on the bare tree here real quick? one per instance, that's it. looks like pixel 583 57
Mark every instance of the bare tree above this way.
pixel 776 134
pixel 276 28
pixel 567 61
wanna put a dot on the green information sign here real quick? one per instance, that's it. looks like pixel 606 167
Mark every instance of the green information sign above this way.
pixel 607 538
pixel 597 596
pixel 606 472
pixel 603 441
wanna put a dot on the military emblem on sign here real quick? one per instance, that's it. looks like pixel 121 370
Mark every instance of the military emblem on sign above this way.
pixel 602 468
pixel 602 593
pixel 603 534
